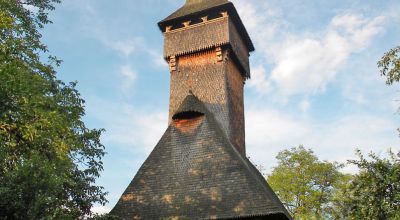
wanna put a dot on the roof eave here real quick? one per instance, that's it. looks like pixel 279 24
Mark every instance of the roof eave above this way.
pixel 233 13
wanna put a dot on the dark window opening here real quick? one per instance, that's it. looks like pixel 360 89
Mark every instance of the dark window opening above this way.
pixel 177 26
pixel 214 15
pixel 196 21
pixel 187 115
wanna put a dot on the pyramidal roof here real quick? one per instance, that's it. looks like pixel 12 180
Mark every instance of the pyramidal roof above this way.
pixel 195 6
pixel 199 7
pixel 194 172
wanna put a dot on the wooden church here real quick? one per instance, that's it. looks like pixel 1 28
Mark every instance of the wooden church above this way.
pixel 199 168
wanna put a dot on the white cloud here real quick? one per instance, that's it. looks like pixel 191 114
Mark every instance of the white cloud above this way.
pixel 393 14
pixel 125 47
pixel 302 62
pixel 305 105
pixel 93 24
pixel 305 65
pixel 126 126
pixel 366 132
pixel 135 130
pixel 128 73
pixel 128 77
pixel 158 58
pixel 259 80
pixel 152 127
pixel 269 131
pixel 261 22
pixel 266 126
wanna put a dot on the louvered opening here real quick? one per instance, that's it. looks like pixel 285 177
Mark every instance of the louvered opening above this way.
pixel 188 115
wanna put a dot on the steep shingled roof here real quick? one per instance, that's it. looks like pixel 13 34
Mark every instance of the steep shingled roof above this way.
pixel 196 7
pixel 198 175
pixel 192 7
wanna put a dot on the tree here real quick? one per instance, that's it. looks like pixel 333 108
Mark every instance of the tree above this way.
pixel 338 206
pixel 389 65
pixel 49 159
pixel 304 184
pixel 104 217
pixel 383 170
pixel 374 192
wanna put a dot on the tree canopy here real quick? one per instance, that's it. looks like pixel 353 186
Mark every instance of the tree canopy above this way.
pixel 305 184
pixel 49 159
pixel 374 192
pixel 389 65
pixel 382 174
pixel 314 189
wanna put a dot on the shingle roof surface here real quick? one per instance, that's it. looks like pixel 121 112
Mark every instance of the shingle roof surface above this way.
pixel 195 6
pixel 198 175
pixel 198 6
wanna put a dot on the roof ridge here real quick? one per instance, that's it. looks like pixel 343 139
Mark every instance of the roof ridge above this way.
pixel 195 6
pixel 191 103
pixel 188 2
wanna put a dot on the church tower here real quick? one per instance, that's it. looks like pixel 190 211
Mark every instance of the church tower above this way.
pixel 207 48
pixel 199 168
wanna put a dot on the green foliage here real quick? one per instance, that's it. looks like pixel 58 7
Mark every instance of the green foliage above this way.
pixel 338 206
pixel 49 159
pixel 374 193
pixel 105 217
pixel 390 65
pixel 305 185
pixel 376 189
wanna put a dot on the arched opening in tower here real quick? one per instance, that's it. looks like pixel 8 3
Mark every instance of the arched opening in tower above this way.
pixel 187 122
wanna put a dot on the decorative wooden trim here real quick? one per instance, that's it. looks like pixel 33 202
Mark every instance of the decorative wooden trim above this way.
pixel 172 63
pixel 204 19
pixel 196 50
pixel 218 52
pixel 195 25
pixel 186 23
pixel 224 14
pixel 168 28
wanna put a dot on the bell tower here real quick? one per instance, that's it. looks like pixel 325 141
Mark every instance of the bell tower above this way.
pixel 199 168
pixel 207 48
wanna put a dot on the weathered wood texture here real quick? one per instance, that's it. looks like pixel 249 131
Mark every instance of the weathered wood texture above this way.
pixel 196 37
pixel 197 175
pixel 205 36
pixel 199 168
pixel 240 48
pixel 218 84
pixel 235 84
pixel 196 9
pixel 205 77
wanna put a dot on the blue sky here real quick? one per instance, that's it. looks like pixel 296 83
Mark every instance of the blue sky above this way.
pixel 314 77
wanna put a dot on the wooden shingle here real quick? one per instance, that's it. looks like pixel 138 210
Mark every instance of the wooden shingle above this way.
pixel 198 175
pixel 199 8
